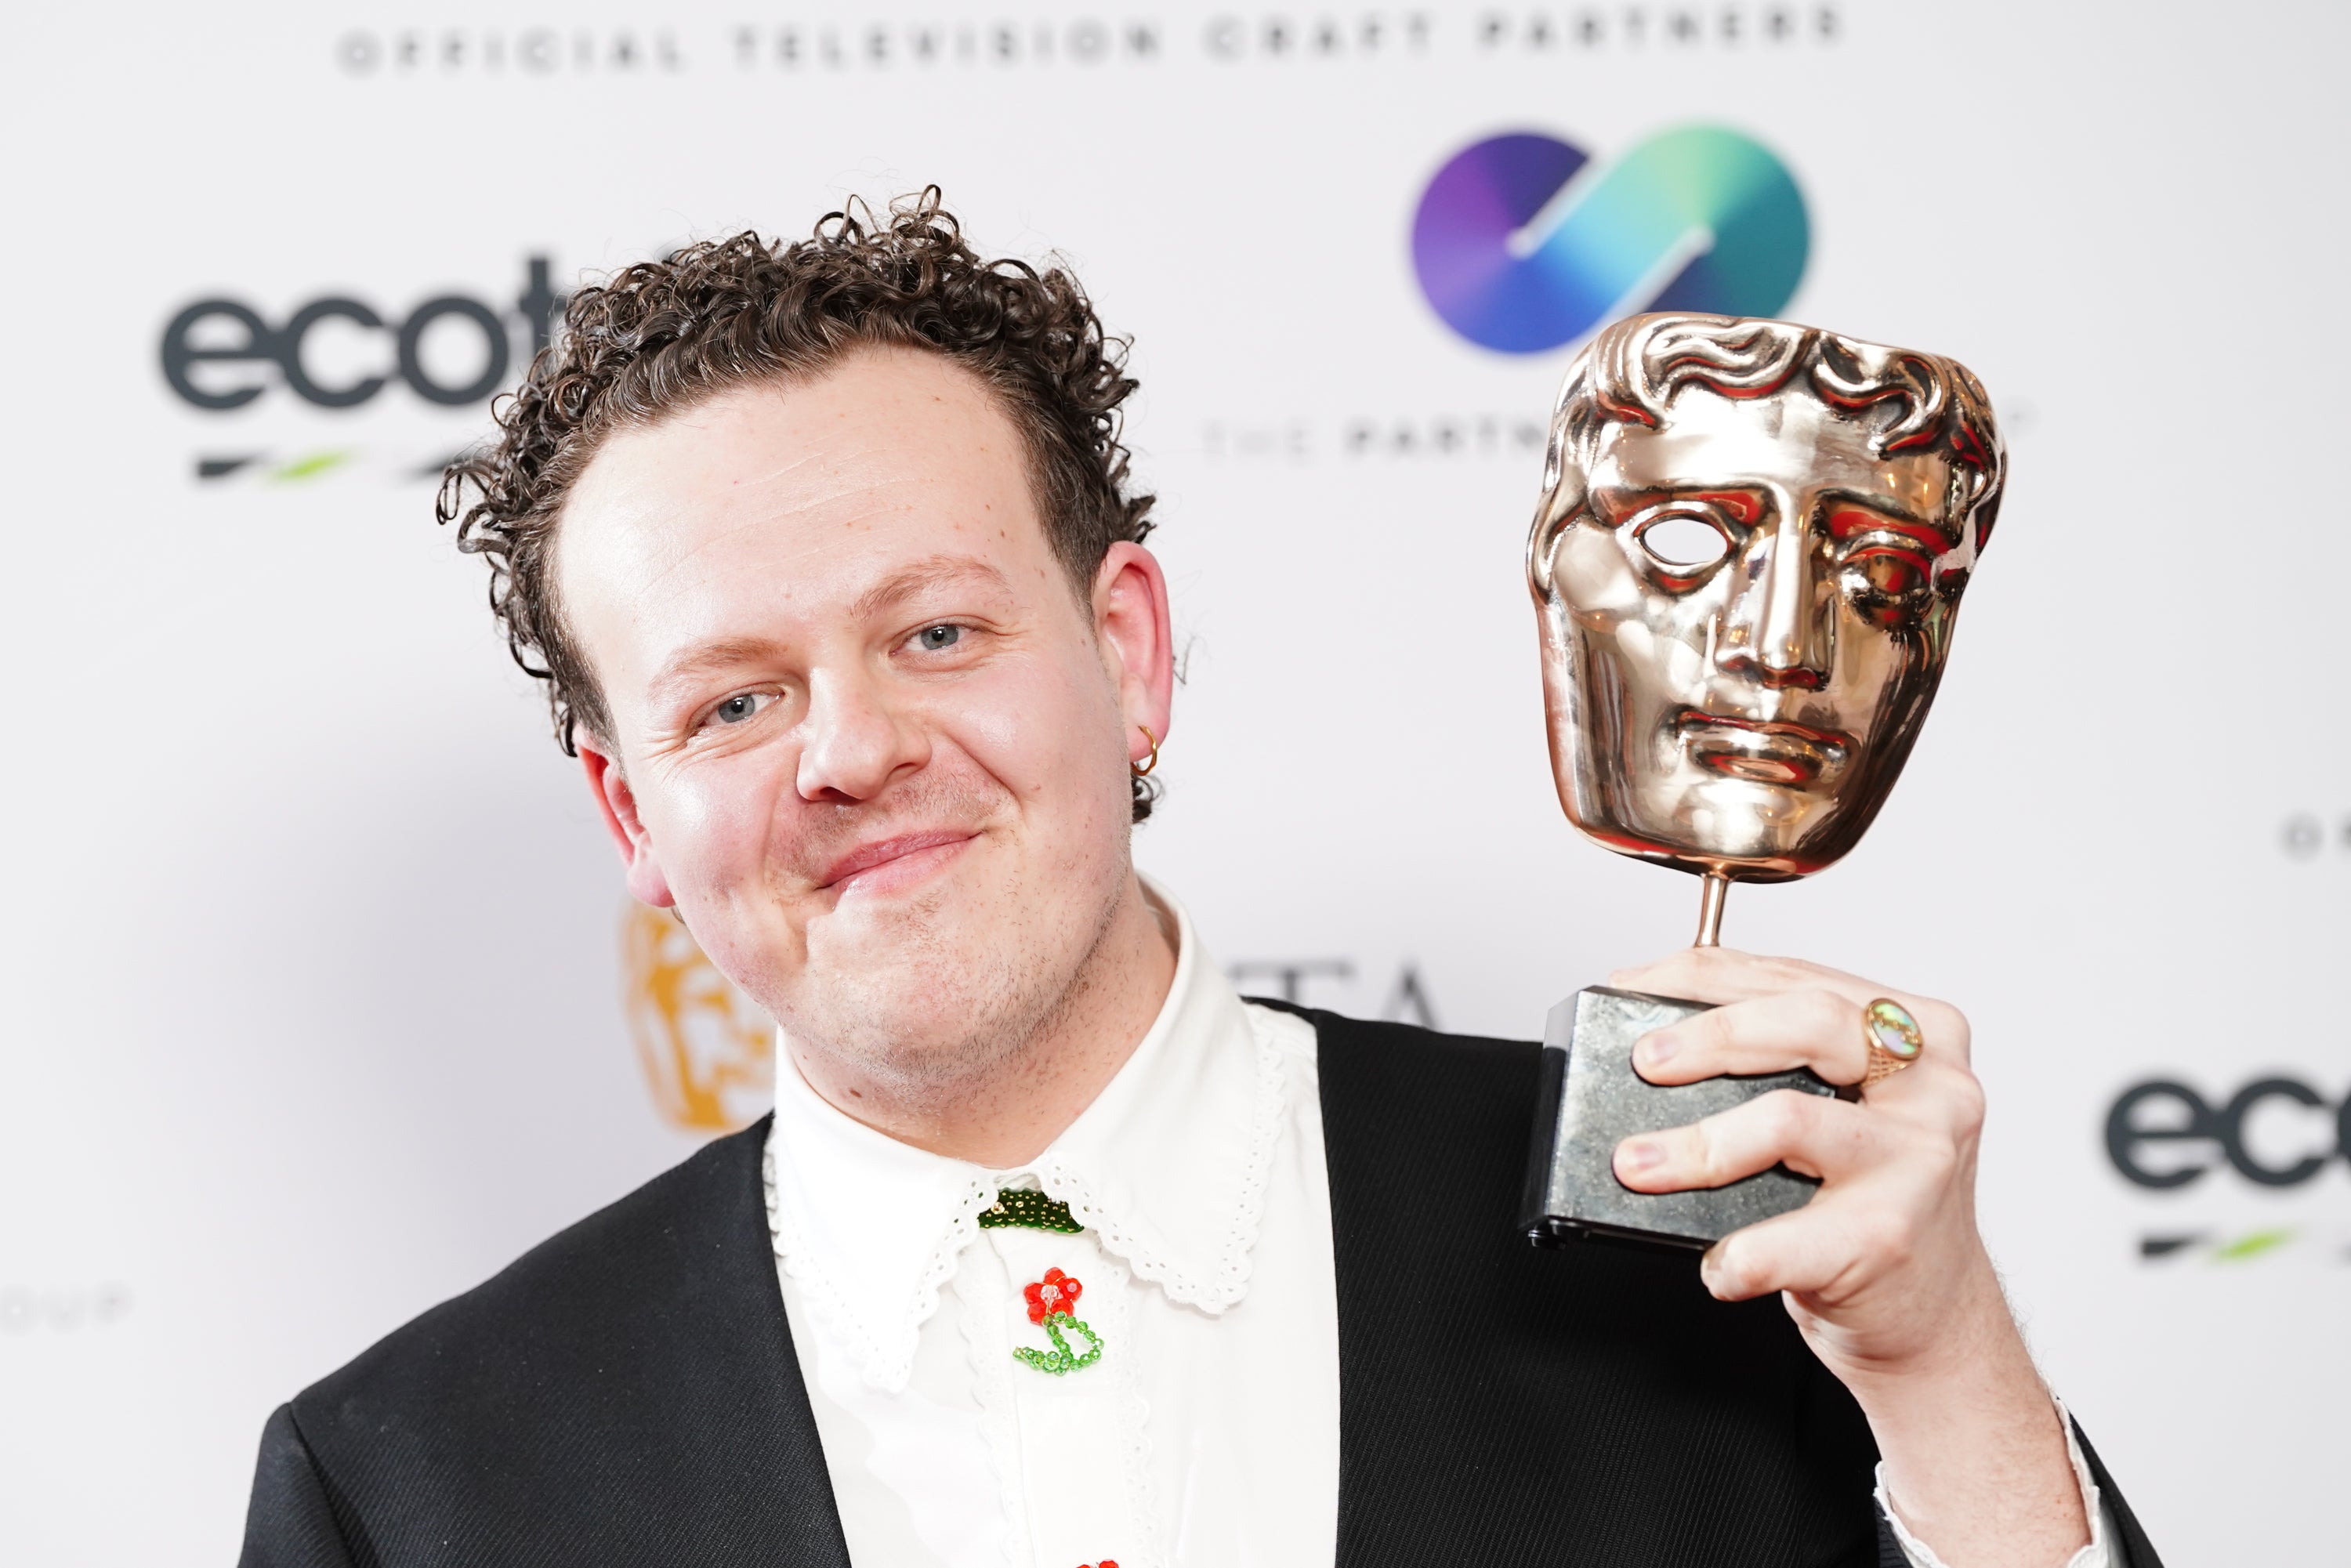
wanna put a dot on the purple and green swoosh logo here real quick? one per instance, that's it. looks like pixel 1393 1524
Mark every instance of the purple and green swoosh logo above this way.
pixel 1522 244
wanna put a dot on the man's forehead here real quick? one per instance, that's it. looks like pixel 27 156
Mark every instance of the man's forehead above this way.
pixel 880 434
pixel 1789 439
pixel 781 501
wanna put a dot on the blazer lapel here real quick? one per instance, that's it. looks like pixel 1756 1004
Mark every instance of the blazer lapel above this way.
pixel 625 1392
pixel 745 1373
pixel 1407 1258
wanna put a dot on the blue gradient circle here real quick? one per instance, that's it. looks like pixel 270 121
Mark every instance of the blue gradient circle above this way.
pixel 1695 218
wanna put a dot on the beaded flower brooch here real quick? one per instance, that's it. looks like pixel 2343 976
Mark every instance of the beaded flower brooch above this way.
pixel 1052 1302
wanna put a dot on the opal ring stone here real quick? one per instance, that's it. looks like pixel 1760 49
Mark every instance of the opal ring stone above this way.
pixel 1894 1039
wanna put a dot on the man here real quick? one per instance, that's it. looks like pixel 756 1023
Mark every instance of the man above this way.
pixel 1055 1250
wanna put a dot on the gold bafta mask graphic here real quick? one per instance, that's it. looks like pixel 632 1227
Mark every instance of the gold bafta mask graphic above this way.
pixel 708 1052
pixel 1751 550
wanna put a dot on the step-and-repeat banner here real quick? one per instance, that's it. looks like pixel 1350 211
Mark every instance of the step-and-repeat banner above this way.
pixel 319 996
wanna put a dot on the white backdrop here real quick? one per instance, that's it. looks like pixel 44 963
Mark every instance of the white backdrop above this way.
pixel 312 995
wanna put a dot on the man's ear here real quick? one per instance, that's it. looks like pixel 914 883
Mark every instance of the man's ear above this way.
pixel 619 804
pixel 1130 622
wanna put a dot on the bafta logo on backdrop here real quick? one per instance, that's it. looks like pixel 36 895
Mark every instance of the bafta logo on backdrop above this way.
pixel 707 1050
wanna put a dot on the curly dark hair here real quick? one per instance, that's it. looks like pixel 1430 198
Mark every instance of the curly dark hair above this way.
pixel 662 337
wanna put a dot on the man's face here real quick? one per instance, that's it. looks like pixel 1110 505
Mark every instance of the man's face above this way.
pixel 1745 630
pixel 866 735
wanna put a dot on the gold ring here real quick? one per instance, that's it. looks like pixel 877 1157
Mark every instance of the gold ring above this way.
pixel 1894 1039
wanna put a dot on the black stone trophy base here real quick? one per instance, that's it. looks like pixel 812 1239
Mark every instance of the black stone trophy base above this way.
pixel 1591 1098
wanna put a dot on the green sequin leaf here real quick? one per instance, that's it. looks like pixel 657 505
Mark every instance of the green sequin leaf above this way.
pixel 1029 1210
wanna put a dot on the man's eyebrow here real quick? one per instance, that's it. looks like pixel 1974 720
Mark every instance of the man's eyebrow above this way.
pixel 694 663
pixel 939 572
pixel 688 668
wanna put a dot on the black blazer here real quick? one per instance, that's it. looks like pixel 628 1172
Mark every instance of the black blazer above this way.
pixel 627 1393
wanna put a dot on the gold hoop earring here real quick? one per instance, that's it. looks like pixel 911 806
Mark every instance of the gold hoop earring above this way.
pixel 1145 771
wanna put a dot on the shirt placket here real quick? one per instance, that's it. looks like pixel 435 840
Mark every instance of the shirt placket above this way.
pixel 1068 1443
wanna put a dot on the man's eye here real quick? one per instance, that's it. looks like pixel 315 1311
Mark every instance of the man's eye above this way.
pixel 740 707
pixel 931 639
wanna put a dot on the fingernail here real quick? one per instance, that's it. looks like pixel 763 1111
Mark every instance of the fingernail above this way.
pixel 1640 1154
pixel 1658 1049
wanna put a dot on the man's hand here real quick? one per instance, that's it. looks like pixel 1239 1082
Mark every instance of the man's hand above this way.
pixel 1883 1270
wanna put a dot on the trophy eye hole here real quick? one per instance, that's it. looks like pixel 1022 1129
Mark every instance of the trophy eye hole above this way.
pixel 1679 539
pixel 1891 573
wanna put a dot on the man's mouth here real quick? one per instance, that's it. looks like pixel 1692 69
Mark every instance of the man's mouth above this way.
pixel 892 863
pixel 1761 751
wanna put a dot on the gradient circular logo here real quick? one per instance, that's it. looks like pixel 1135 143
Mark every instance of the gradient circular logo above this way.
pixel 1522 242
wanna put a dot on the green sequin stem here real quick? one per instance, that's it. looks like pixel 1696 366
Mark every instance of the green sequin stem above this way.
pixel 1060 1360
pixel 1029 1209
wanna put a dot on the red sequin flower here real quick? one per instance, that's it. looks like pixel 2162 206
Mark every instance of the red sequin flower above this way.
pixel 1056 1292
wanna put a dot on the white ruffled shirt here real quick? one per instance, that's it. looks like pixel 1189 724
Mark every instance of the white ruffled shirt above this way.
pixel 1209 1431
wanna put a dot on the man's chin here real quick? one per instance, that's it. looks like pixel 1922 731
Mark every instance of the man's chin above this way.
pixel 882 934
pixel 908 1024
pixel 911 966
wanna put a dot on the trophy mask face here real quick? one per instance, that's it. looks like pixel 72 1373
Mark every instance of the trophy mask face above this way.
pixel 1748 559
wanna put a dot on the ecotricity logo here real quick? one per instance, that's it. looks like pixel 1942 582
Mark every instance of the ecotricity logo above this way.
pixel 338 355
pixel 2279 1138
pixel 1524 243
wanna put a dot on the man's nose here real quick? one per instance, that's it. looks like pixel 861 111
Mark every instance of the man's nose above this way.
pixel 1774 632
pixel 855 740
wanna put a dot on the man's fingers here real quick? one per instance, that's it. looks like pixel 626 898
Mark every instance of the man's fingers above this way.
pixel 1726 979
pixel 1813 1026
pixel 1824 1249
pixel 1809 1133
pixel 1706 974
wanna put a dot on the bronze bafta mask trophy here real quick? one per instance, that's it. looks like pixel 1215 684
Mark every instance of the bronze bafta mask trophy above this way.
pixel 1750 549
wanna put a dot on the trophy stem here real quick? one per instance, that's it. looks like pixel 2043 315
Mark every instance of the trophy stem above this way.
pixel 1709 910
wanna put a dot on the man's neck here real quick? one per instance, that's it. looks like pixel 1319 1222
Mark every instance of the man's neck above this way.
pixel 1009 1115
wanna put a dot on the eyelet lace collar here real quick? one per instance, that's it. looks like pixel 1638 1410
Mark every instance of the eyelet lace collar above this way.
pixel 1168 1166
